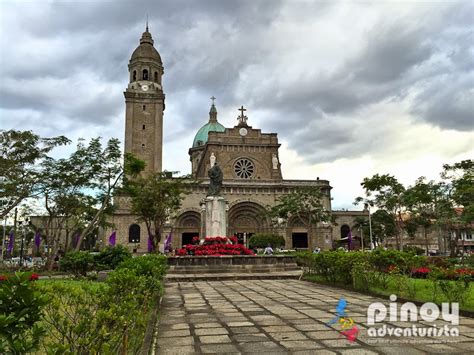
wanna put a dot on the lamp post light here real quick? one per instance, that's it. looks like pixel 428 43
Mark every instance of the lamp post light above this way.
pixel 372 242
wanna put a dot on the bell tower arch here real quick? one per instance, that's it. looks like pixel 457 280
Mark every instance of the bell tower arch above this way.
pixel 145 105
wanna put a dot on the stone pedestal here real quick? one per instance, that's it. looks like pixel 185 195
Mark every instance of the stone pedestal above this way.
pixel 216 216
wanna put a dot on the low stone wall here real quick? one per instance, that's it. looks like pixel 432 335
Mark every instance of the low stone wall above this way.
pixel 228 260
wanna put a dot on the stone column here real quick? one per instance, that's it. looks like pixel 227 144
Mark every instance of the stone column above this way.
pixel 216 216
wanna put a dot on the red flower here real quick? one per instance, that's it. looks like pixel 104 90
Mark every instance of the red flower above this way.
pixel 215 246
pixel 421 270
pixel 3 278
pixel 464 272
pixel 181 252
pixel 34 277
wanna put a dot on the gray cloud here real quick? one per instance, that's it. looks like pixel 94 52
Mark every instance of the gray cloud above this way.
pixel 67 61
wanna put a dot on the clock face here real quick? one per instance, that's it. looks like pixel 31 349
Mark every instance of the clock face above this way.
pixel 243 132
pixel 145 87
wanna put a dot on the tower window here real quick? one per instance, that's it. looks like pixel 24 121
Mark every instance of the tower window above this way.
pixel 143 145
pixel 145 74
pixel 134 75
pixel 156 77
pixel 143 127
pixel 144 107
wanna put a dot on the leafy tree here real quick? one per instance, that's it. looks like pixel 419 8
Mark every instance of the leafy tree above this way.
pixel 461 179
pixel 22 152
pixel 421 202
pixel 362 224
pixel 76 191
pixel 304 204
pixel 385 192
pixel 155 199
pixel 457 209
pixel 383 226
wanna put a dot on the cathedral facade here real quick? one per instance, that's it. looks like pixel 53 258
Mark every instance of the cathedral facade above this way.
pixel 248 158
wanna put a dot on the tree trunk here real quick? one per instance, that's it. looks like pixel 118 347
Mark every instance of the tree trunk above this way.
pixel 426 240
pixel 91 225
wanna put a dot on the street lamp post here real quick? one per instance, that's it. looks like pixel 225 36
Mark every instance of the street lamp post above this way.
pixel 372 243
pixel 3 237
pixel 24 225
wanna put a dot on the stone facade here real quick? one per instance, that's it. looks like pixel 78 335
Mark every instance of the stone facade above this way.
pixel 248 157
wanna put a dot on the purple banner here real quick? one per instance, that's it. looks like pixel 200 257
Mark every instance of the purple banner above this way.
pixel 150 244
pixel 11 241
pixel 37 239
pixel 349 240
pixel 112 238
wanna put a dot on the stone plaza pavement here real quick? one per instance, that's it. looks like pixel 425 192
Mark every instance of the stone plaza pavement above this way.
pixel 282 316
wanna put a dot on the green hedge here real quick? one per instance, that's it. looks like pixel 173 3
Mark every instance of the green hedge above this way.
pixel 80 262
pixel 262 240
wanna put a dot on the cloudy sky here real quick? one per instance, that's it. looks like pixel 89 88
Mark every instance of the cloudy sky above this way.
pixel 352 88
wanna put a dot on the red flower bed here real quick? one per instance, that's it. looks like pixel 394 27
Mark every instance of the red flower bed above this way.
pixel 421 272
pixel 3 278
pixel 216 246
pixel 34 277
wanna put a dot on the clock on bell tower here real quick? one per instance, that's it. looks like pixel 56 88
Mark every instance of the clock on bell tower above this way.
pixel 145 104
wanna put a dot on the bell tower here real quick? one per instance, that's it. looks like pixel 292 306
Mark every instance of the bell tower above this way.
pixel 145 104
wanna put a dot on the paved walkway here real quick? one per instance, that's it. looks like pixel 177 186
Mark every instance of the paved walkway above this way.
pixel 282 316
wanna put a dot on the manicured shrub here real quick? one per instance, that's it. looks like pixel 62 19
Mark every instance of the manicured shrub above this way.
pixel 262 240
pixel 111 257
pixel 152 267
pixel 77 262
pixel 109 317
pixel 336 266
pixel 21 309
pixel 77 322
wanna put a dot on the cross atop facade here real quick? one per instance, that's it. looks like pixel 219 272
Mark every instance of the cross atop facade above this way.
pixel 213 98
pixel 242 118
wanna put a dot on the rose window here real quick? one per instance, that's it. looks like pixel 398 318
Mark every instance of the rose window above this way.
pixel 244 168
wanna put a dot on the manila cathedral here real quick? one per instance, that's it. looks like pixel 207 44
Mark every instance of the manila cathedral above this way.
pixel 248 158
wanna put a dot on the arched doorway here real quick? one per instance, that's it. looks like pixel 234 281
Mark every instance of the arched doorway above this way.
pixel 345 229
pixel 188 226
pixel 246 219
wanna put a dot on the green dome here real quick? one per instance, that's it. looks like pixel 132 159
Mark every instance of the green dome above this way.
pixel 201 135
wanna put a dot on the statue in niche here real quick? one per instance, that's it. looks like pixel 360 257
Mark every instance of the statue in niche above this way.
pixel 275 161
pixel 216 176
pixel 212 159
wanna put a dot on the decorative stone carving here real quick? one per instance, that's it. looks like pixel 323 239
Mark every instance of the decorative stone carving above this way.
pixel 212 159
pixel 275 161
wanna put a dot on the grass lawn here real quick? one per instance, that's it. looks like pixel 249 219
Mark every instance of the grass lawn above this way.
pixel 423 290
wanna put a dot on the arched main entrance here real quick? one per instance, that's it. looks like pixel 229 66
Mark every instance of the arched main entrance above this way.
pixel 188 226
pixel 246 219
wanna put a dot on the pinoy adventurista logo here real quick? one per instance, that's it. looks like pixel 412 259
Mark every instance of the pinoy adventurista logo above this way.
pixel 409 312
pixel 347 326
